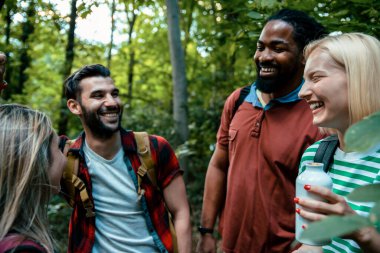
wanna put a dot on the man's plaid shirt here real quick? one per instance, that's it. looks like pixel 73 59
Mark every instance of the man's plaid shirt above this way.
pixel 82 229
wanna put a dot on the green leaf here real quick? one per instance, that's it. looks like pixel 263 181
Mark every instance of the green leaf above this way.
pixel 374 216
pixel 334 226
pixel 362 1
pixel 364 134
pixel 268 3
pixel 367 193
pixel 254 15
pixel 253 34
pixel 342 13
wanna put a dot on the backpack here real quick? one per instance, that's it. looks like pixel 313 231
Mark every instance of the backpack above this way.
pixel 326 150
pixel 71 182
pixel 243 94
pixel 17 243
pixel 147 168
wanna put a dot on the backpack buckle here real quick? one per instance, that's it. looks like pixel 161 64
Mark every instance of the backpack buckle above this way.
pixel 89 212
pixel 141 171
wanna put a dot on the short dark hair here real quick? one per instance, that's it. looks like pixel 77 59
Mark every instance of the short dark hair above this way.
pixel 72 88
pixel 305 28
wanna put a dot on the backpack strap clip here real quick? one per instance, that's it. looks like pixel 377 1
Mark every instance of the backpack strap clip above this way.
pixel 147 164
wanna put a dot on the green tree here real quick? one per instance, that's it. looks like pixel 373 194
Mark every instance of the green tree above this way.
pixel 180 110
pixel 67 66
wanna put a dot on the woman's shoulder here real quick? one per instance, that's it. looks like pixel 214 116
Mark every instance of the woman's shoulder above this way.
pixel 17 243
pixel 308 155
pixel 310 151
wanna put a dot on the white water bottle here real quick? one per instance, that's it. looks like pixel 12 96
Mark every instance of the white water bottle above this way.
pixel 313 175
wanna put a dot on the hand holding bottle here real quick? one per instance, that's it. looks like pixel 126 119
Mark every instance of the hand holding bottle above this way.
pixel 314 210
pixel 313 175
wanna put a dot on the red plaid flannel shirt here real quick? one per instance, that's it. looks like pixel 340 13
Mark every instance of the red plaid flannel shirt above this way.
pixel 82 229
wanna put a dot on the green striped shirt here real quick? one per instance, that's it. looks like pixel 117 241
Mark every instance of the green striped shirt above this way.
pixel 348 171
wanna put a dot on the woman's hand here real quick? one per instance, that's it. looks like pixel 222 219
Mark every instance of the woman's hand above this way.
pixel 367 238
pixel 308 249
pixel 315 210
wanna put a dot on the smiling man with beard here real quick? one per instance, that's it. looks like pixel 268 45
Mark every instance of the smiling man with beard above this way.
pixel 125 221
pixel 101 119
pixel 251 175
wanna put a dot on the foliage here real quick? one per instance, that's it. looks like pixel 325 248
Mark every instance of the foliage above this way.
pixel 59 214
pixel 334 226
pixel 364 134
pixel 360 137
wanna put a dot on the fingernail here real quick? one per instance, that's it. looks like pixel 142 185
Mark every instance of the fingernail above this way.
pixel 303 226
pixel 296 200
pixel 298 210
pixel 307 187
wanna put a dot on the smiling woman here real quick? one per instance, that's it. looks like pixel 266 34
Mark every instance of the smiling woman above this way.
pixel 329 109
pixel 342 85
pixel 31 168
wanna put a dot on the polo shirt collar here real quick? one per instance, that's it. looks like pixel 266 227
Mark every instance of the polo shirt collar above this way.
pixel 288 98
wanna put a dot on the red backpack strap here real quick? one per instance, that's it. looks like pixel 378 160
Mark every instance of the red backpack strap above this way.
pixel 18 244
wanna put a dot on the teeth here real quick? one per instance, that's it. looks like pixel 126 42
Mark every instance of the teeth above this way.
pixel 316 105
pixel 110 114
pixel 268 69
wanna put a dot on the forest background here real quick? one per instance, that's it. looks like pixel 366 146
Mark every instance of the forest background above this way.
pixel 174 73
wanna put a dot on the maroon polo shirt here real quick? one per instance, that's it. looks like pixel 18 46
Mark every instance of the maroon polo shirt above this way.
pixel 265 148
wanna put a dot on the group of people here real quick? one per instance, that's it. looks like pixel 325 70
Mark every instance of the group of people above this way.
pixel 309 85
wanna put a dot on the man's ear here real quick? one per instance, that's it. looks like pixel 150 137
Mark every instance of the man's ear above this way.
pixel 303 60
pixel 74 107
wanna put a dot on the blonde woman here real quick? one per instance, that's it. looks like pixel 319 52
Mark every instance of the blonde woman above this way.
pixel 31 166
pixel 342 86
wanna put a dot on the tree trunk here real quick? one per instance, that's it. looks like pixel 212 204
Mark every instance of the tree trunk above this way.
pixel 69 58
pixel 8 74
pixel 27 30
pixel 113 9
pixel 179 78
pixel 189 21
pixel 8 19
pixel 131 18
pixel 1 4
pixel 131 67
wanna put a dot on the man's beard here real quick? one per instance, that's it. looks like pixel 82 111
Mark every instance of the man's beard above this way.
pixel 97 127
pixel 275 83
pixel 267 85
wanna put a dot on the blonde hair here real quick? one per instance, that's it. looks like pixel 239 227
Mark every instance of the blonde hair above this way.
pixel 25 137
pixel 359 55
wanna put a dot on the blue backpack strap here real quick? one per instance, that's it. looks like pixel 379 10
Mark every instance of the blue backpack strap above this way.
pixel 326 150
pixel 243 94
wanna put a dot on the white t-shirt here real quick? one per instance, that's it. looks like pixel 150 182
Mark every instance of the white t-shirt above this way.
pixel 120 225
